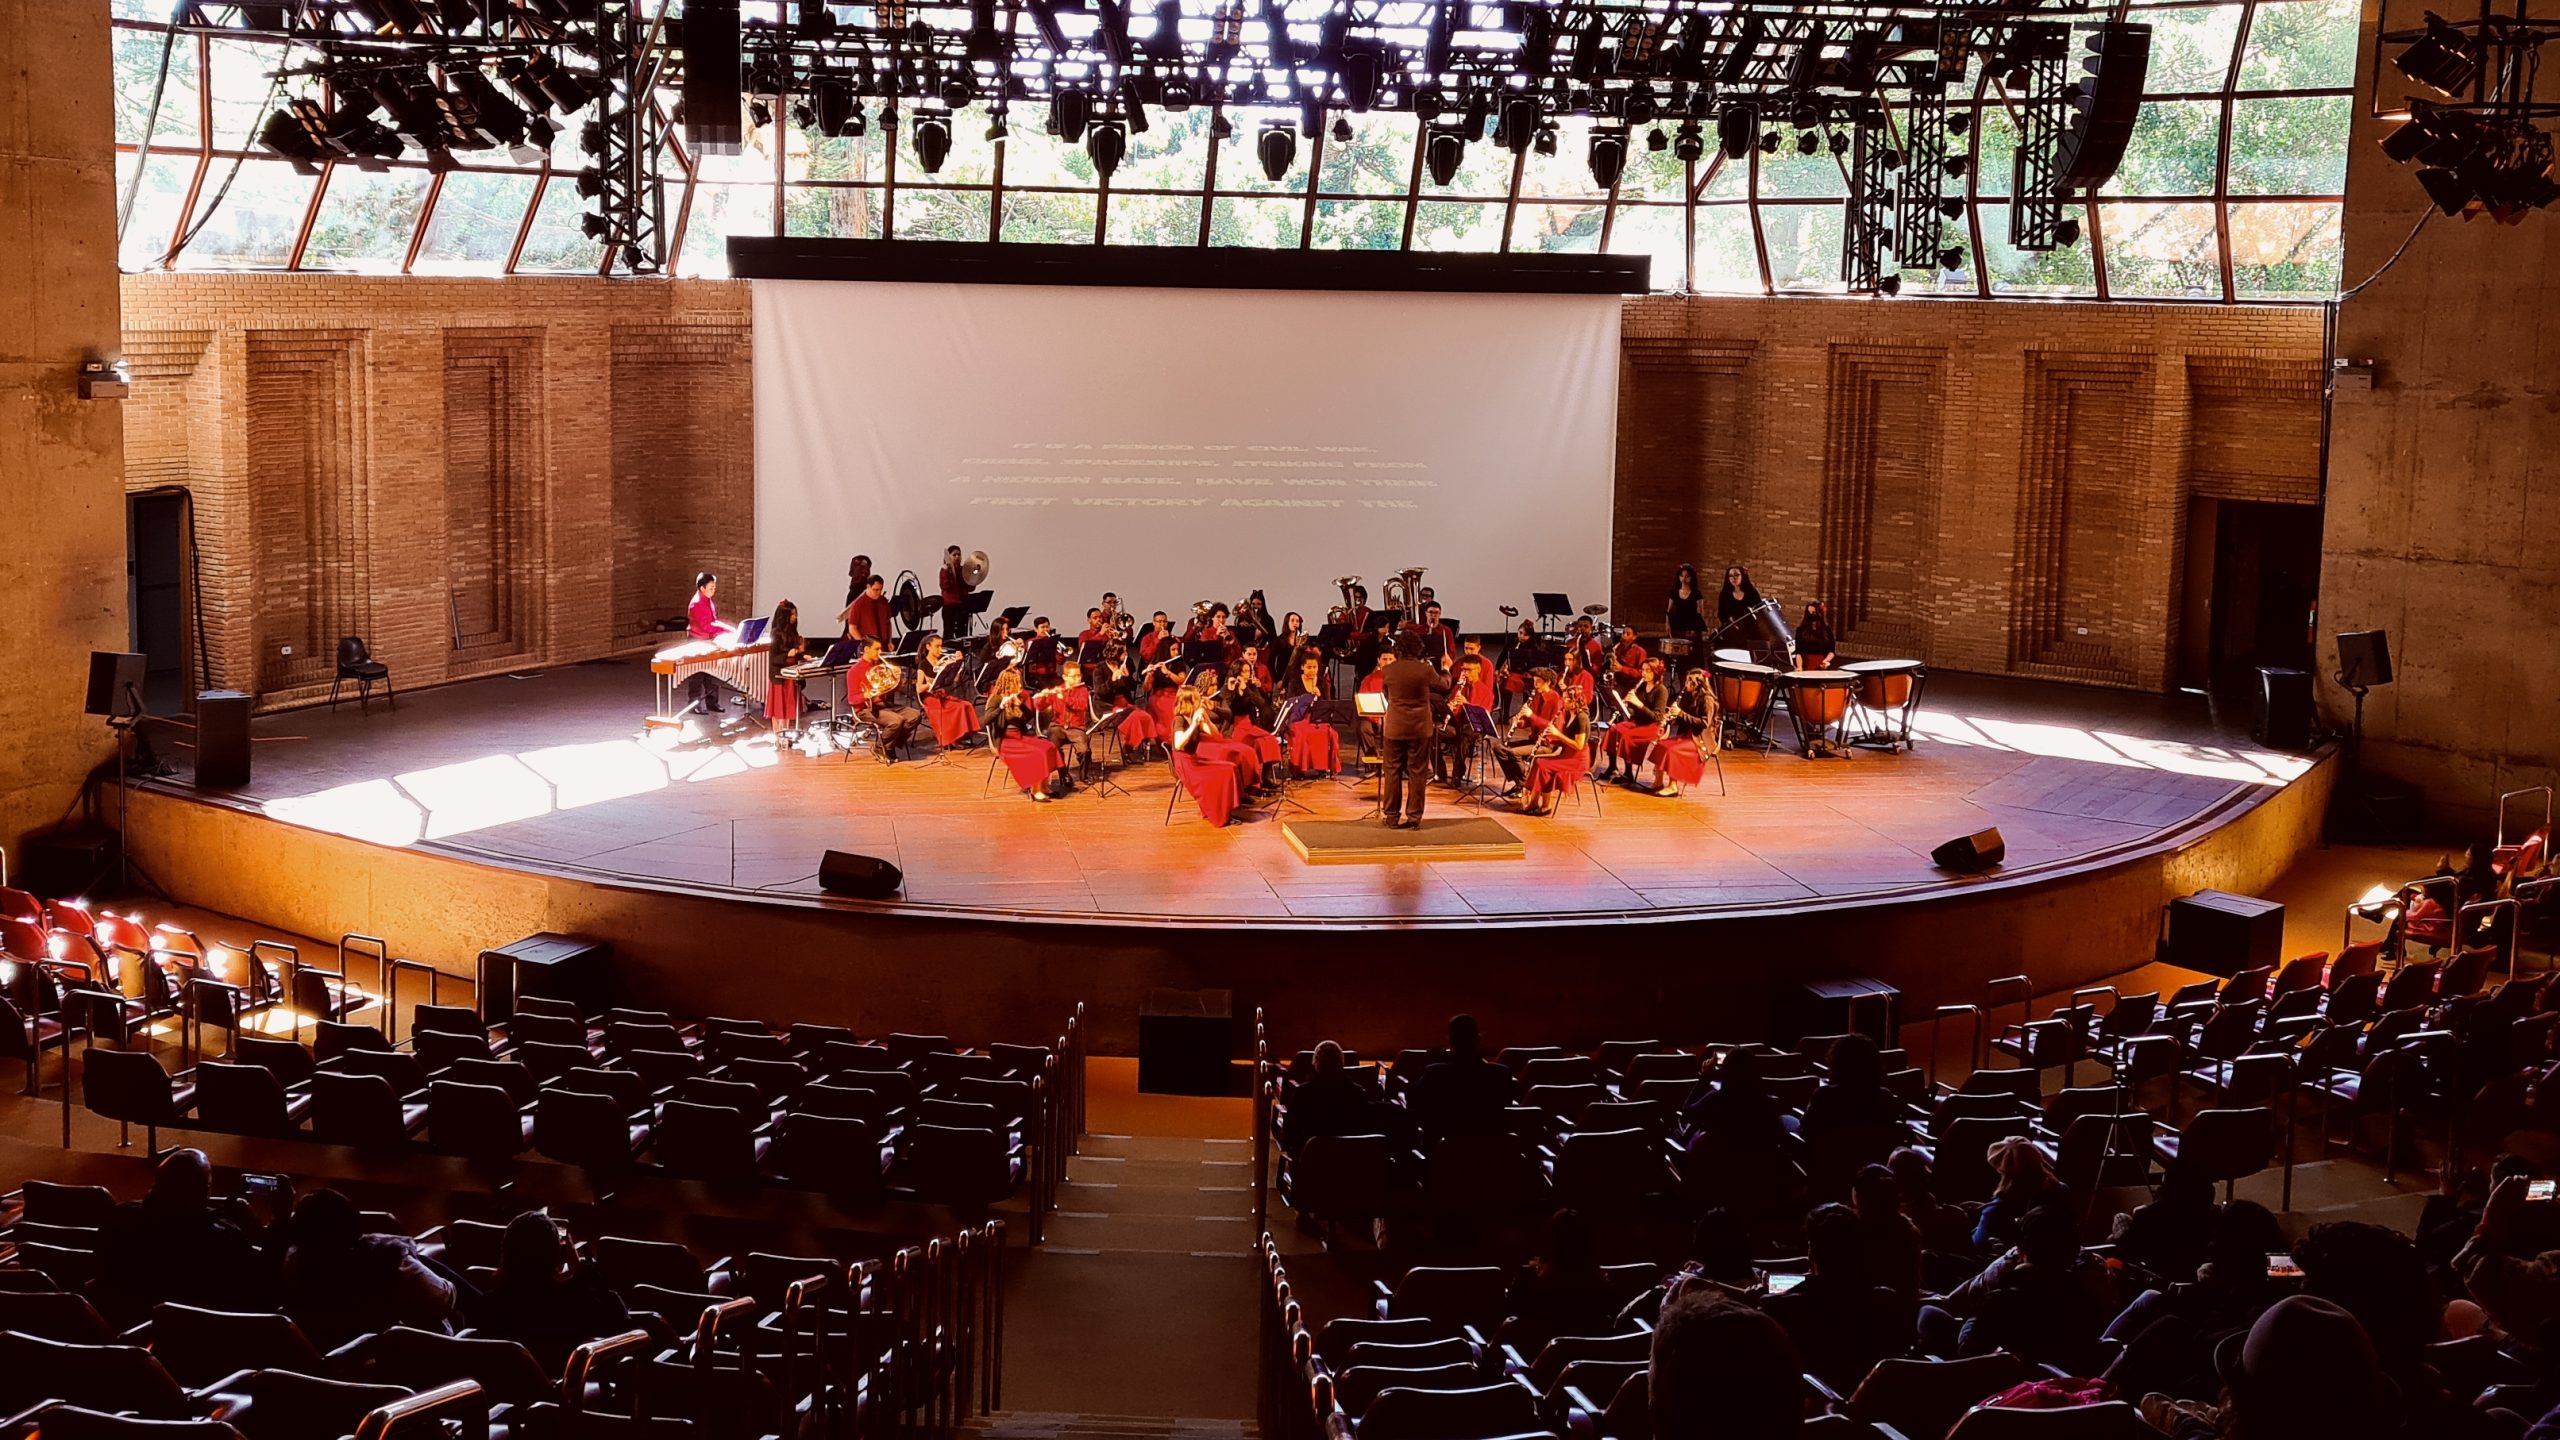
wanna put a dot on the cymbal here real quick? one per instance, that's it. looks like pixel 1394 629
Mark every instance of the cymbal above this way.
pixel 1595 609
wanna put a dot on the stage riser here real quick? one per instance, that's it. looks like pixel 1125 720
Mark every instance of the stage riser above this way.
pixel 1689 979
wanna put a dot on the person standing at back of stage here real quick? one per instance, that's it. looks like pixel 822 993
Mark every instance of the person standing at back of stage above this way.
pixel 1414 688
pixel 857 578
pixel 782 695
pixel 867 618
pixel 956 591
pixel 1738 598
pixel 1685 616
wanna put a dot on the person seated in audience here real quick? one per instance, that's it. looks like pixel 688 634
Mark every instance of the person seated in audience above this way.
pixel 2376 1274
pixel 1561 1291
pixel 1327 1102
pixel 2511 1266
pixel 1721 1370
pixel 2169 1334
pixel 2043 1299
pixel 2171 1233
pixel 545 1299
pixel 1840 1318
pixel 177 1243
pixel 1945 1230
pixel 1462 1093
pixel 1892 1241
pixel 2305 1368
pixel 1736 1151
pixel 1719 1259
pixel 340 1282
pixel 1853 1119
pixel 2026 1183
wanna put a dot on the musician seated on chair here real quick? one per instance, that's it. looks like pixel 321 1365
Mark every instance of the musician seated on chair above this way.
pixel 1041 654
pixel 1065 711
pixel 1457 740
pixel 1520 741
pixel 1816 647
pixel 874 682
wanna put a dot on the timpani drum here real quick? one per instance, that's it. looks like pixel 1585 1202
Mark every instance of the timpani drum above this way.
pixel 1746 692
pixel 1817 701
pixel 1888 696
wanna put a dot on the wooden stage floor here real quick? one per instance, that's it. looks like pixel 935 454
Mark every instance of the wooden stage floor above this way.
pixel 550 772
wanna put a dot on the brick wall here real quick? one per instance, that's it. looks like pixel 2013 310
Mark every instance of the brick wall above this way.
pixel 1989 486
pixel 483 475
pixel 473 475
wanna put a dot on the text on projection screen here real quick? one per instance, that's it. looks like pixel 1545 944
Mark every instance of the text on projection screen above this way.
pixel 1183 445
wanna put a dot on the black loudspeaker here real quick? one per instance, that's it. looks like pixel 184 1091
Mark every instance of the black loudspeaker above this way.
pixel 222 740
pixel 115 683
pixel 2106 101
pixel 865 877
pixel 711 101
pixel 2221 933
pixel 1969 853
pixel 2364 658
pixel 2284 707
pixel 1185 1041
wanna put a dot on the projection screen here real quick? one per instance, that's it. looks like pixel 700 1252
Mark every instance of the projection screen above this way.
pixel 1177 445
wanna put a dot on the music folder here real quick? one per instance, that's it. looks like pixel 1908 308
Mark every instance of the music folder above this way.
pixel 1372 703
pixel 751 630
pixel 843 652
pixel 1479 719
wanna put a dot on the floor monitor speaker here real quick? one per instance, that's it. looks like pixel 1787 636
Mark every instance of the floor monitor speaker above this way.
pixel 1970 853
pixel 222 740
pixel 865 877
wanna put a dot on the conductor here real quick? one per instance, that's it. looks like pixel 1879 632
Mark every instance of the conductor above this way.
pixel 1414 688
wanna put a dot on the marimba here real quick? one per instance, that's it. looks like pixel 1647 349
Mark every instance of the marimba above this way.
pixel 747 669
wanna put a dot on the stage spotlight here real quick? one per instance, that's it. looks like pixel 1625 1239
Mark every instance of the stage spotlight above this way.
pixel 1951 209
pixel 1359 78
pixel 1889 286
pixel 544 82
pixel 1734 125
pixel 996 129
pixel 2445 60
pixel 1546 139
pixel 1342 129
pixel 1222 128
pixel 932 142
pixel 1105 143
pixel 1278 147
pixel 1770 141
pixel 1955 166
pixel 590 182
pixel 1427 104
pixel 1808 143
pixel 594 226
pixel 1691 145
pixel 2446 188
pixel 759 114
pixel 2405 140
pixel 294 133
pixel 1519 125
pixel 1840 146
pixel 1640 105
pixel 2067 232
pixel 957 92
pixel 1951 258
pixel 1443 153
pixel 1070 111
pixel 803 116
pixel 1656 141
pixel 1608 157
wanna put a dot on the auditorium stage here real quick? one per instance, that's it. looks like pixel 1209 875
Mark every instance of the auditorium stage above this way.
pixel 551 772
pixel 480 811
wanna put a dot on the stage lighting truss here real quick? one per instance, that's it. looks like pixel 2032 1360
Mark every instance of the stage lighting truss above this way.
pixel 1865 79
pixel 364 81
pixel 2470 115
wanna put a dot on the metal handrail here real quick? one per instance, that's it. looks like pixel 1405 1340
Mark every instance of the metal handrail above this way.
pixel 2026 996
pixel 391 993
pixel 2543 790
pixel 439 1404
pixel 380 952
pixel 1265 1094
pixel 1973 1051
pixel 583 1361
pixel 1044 1193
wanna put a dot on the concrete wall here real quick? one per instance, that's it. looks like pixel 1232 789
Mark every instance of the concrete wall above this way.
pixel 2443 522
pixel 61 504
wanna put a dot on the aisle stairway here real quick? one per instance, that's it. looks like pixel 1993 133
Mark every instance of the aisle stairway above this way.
pixel 1141 1301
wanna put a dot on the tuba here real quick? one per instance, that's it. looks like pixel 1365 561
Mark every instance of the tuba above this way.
pixel 1341 614
pixel 1403 591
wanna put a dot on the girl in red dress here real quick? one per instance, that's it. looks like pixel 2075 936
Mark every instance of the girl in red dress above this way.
pixel 1551 775
pixel 1314 749
pixel 782 697
pixel 1031 757
pixel 952 715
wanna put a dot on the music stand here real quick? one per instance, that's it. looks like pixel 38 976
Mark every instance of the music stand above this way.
pixel 1553 605
pixel 1481 735
pixel 1103 784
pixel 1013 614
pixel 910 643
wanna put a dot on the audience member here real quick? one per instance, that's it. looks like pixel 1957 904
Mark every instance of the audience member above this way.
pixel 2306 1369
pixel 340 1282
pixel 2026 1183
pixel 1840 1318
pixel 1945 1230
pixel 2044 1299
pixel 544 1298
pixel 177 1243
pixel 1327 1102
pixel 1722 1371
pixel 1853 1118
pixel 2171 1233
pixel 1463 1094
pixel 1562 1290
pixel 1892 1241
